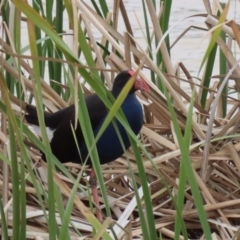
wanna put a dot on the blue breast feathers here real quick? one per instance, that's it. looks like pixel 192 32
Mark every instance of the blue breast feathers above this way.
pixel 109 146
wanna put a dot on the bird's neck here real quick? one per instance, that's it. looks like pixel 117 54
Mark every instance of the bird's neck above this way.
pixel 117 93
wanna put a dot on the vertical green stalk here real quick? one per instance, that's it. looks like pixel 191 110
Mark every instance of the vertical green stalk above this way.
pixel 208 74
pixel 38 97
pixel 38 7
pixel 185 160
pixel 96 8
pixel 147 196
pixel 49 44
pixel 58 53
pixel 179 222
pixel 3 222
pixel 15 183
pixel 223 71
pixel 148 37
pixel 9 79
pixel 22 200
pixel 17 39
pixel 164 23
pixel 210 56
pixel 104 7
pixel 143 220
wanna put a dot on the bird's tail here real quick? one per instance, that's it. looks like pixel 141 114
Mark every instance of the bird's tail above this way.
pixel 32 118
pixel 31 115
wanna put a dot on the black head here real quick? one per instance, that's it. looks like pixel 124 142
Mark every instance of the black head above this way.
pixel 123 77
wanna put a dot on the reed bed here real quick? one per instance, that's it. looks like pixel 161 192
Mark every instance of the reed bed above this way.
pixel 181 177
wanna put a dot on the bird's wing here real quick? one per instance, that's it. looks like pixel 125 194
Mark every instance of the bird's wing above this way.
pixel 63 143
pixel 62 123
pixel 96 109
pixel 95 106
pixel 52 120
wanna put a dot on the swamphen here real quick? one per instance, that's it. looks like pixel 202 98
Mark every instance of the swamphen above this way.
pixel 61 123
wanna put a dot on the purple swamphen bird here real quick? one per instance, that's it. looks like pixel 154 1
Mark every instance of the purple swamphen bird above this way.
pixel 61 123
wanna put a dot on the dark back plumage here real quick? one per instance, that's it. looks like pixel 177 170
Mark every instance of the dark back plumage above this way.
pixel 63 143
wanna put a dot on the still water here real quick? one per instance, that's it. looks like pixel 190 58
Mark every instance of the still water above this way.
pixel 190 48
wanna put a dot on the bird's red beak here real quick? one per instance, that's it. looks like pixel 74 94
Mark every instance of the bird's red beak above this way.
pixel 139 84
